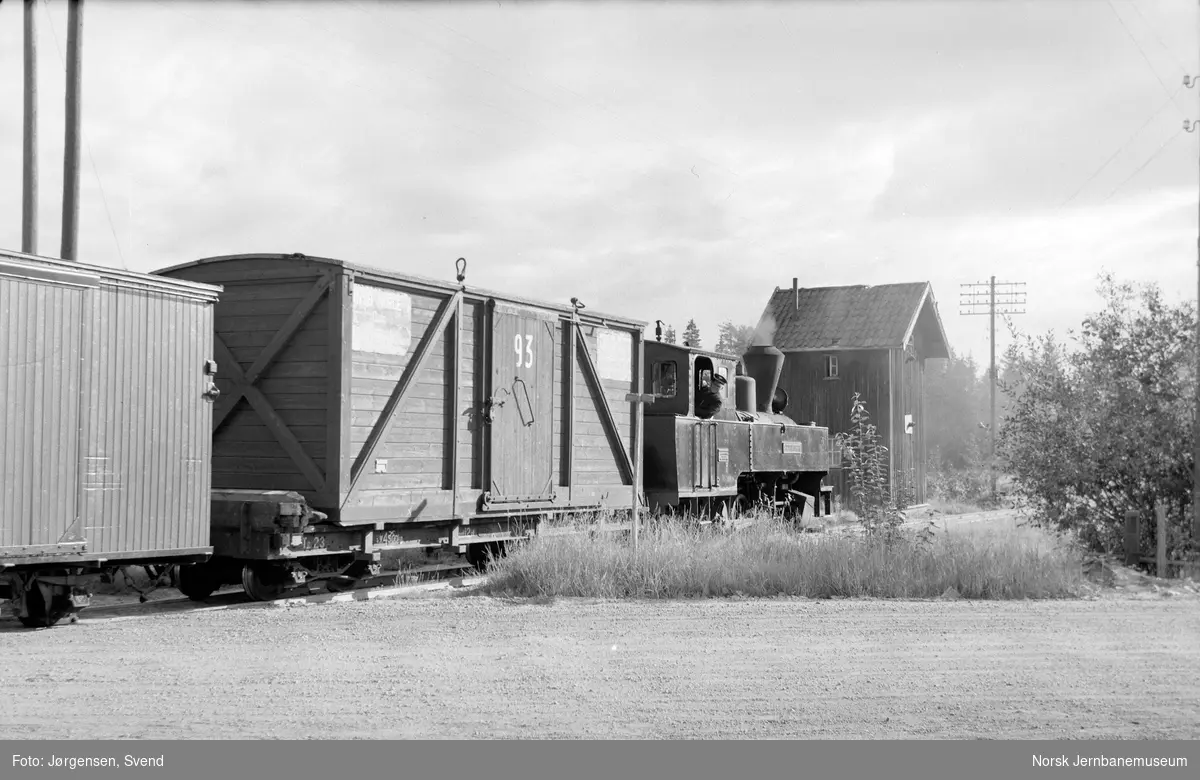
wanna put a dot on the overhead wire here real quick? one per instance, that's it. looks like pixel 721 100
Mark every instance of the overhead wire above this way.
pixel 1171 101
pixel 1149 64
pixel 1142 167
pixel 1157 37
pixel 1121 148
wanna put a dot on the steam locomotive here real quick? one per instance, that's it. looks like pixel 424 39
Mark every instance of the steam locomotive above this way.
pixel 748 453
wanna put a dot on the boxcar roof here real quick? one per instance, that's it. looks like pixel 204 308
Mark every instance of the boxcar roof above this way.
pixel 66 268
pixel 379 273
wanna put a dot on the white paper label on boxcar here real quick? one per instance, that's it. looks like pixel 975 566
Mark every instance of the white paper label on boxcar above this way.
pixel 615 354
pixel 382 320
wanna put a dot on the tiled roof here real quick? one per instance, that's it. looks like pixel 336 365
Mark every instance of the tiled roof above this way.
pixel 857 316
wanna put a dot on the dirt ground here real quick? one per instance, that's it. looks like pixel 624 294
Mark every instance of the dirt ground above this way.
pixel 1122 663
pixel 470 667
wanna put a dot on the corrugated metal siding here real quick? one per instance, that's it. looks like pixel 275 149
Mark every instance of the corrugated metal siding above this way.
pixel 40 338
pixel 106 435
pixel 147 428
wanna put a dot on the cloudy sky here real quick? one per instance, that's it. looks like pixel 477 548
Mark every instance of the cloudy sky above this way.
pixel 663 161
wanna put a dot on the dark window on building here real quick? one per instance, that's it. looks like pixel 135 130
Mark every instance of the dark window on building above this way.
pixel 831 367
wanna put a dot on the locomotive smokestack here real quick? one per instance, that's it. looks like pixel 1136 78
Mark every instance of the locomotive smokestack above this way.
pixel 765 364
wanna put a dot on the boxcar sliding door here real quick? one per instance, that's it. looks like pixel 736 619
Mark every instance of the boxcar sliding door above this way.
pixel 521 405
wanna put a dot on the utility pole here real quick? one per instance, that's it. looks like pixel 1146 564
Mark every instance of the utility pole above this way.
pixel 1189 82
pixel 70 216
pixel 972 300
pixel 29 190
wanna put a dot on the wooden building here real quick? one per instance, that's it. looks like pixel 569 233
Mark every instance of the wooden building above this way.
pixel 871 340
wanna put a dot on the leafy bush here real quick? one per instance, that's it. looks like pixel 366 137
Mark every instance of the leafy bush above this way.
pixel 1108 427
pixel 968 483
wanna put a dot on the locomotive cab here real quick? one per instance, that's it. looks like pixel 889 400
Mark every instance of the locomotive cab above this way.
pixel 746 452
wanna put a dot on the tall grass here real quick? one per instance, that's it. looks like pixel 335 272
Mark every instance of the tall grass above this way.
pixel 678 560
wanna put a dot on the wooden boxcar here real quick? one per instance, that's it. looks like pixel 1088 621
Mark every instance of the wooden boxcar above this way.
pixel 411 412
pixel 105 415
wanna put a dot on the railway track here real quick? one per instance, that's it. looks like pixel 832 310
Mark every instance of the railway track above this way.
pixel 380 587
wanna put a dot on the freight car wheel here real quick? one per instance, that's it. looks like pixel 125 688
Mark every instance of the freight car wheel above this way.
pixel 38 615
pixel 263 583
pixel 197 581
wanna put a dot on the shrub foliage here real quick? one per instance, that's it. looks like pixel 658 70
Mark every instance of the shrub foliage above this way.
pixel 1107 427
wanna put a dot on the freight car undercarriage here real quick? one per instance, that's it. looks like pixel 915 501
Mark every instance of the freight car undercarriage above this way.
pixel 43 590
pixel 271 541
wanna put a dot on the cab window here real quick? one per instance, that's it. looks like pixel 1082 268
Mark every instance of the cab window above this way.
pixel 664 378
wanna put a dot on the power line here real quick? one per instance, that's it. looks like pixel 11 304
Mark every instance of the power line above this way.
pixel 1157 37
pixel 1141 167
pixel 1121 148
pixel 1142 51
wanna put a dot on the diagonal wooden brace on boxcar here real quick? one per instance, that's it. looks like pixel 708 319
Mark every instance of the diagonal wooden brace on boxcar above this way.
pixel 606 415
pixel 244 383
pixel 387 418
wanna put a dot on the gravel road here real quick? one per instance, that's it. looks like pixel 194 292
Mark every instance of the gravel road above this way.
pixel 1123 666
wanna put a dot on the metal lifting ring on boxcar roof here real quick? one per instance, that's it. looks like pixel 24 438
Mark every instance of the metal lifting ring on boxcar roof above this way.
pixel 460 265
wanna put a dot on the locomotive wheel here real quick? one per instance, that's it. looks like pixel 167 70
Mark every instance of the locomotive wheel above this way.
pixel 38 615
pixel 263 583
pixel 197 581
